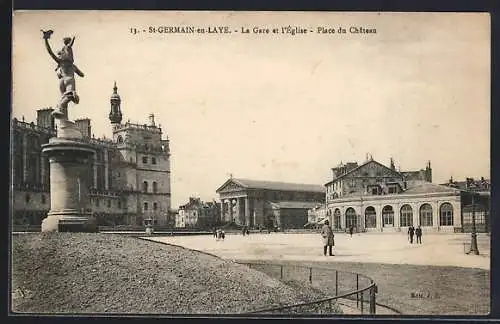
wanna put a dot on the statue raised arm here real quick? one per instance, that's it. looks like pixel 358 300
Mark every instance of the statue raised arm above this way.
pixel 46 37
pixel 66 70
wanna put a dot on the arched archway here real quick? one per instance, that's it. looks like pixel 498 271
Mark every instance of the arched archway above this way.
pixel 350 218
pixel 388 216
pixel 426 215
pixel 370 217
pixel 406 216
pixel 446 214
pixel 336 219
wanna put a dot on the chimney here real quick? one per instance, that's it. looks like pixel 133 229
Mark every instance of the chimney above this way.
pixel 84 126
pixel 151 120
pixel 44 118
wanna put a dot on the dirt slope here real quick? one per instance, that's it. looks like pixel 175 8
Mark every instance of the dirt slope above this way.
pixel 97 273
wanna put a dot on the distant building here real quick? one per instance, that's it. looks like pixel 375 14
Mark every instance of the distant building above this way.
pixel 316 216
pixel 130 172
pixel 265 204
pixel 373 197
pixel 197 214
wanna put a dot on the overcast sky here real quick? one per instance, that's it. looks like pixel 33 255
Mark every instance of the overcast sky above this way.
pixel 276 106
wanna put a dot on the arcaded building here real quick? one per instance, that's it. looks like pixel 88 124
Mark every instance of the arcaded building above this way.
pixel 264 204
pixel 130 171
pixel 373 197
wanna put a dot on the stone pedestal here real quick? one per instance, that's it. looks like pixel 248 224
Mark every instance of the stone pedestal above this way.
pixel 70 176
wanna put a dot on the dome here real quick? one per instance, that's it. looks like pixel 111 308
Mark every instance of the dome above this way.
pixel 115 95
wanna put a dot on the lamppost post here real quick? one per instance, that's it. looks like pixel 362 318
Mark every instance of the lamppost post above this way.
pixel 473 243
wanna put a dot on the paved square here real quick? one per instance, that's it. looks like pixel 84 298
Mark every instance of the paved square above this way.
pixel 440 249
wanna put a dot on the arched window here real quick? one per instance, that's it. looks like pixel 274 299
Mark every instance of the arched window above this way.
pixel 370 217
pixel 145 206
pixel 155 206
pixel 145 186
pixel 155 187
pixel 406 216
pixel 120 139
pixel 350 218
pixel 387 216
pixel 446 215
pixel 426 215
pixel 336 219
pixel 335 195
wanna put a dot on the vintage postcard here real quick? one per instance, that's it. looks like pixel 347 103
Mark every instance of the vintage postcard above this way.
pixel 252 163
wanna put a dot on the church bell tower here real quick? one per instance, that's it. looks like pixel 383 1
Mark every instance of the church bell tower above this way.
pixel 115 115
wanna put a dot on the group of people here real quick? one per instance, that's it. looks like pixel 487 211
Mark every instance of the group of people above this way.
pixel 329 237
pixel 219 234
pixel 417 232
pixel 245 231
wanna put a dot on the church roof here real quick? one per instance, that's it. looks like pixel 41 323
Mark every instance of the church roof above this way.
pixel 275 185
pixel 294 204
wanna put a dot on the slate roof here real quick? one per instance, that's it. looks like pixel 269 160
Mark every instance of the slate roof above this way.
pixel 428 187
pixel 294 204
pixel 275 185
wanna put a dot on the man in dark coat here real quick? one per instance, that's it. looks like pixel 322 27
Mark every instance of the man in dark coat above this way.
pixel 411 231
pixel 351 229
pixel 328 238
pixel 418 233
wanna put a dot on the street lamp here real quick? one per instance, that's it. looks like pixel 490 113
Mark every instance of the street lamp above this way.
pixel 473 243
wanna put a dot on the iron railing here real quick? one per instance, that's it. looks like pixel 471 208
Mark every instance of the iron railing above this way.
pixel 342 291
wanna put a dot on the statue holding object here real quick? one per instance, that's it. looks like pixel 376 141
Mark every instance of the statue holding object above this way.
pixel 66 70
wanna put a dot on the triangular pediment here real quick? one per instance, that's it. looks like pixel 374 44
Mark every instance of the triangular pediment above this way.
pixel 230 186
pixel 372 169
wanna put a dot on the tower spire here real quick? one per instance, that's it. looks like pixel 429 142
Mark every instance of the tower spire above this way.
pixel 115 115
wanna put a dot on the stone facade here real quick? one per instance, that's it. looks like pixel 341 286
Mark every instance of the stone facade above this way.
pixel 197 214
pixel 129 175
pixel 373 197
pixel 266 204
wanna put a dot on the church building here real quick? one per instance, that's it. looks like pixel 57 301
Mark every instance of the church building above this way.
pixel 266 204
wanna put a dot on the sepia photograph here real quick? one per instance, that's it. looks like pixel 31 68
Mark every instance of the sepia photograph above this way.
pixel 250 163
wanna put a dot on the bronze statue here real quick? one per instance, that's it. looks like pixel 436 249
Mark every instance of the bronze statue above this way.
pixel 66 70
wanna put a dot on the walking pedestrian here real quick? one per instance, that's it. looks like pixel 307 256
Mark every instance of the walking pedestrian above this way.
pixel 328 238
pixel 411 232
pixel 418 233
pixel 351 229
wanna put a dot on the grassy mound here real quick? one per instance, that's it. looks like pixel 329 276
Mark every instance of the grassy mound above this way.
pixel 105 273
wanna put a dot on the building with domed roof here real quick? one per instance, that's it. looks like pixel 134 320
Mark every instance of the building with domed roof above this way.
pixel 130 171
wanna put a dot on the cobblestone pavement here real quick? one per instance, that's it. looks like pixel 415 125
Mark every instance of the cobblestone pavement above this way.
pixel 442 249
